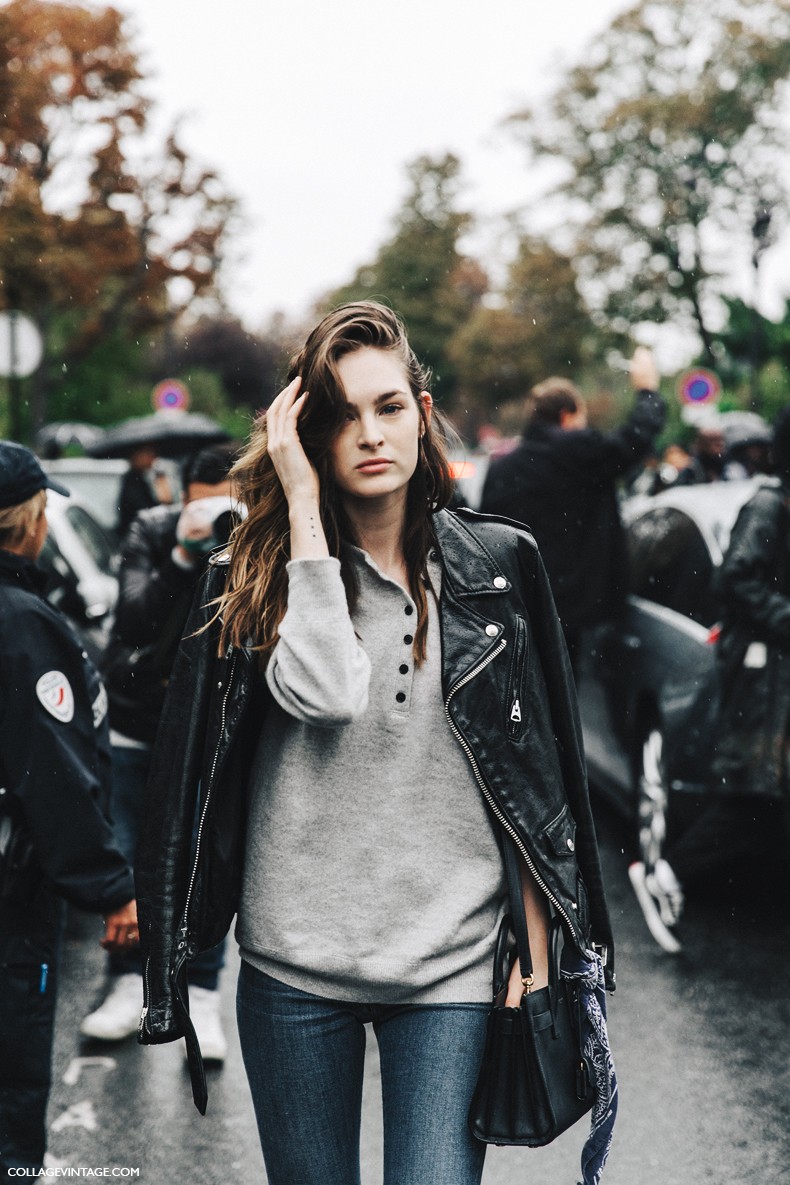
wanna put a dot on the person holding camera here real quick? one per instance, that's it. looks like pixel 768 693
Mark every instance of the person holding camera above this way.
pixel 164 557
pixel 56 841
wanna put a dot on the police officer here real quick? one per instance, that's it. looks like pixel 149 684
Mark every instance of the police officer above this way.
pixel 56 842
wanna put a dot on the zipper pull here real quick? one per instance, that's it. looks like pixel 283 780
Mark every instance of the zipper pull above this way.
pixel 515 711
pixel 141 1024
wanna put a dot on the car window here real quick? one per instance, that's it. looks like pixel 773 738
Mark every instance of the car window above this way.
pixel 93 538
pixel 671 563
pixel 101 490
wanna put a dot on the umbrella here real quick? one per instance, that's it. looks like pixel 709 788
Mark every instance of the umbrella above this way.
pixel 171 433
pixel 52 440
pixel 744 427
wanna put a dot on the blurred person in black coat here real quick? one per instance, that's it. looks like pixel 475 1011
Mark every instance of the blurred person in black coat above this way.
pixel 561 481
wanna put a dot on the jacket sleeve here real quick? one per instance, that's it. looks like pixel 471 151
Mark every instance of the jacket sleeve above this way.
pixel 750 578
pixel 609 455
pixel 163 853
pixel 149 583
pixel 55 764
pixel 564 710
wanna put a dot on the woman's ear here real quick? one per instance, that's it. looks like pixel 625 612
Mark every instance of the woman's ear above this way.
pixel 427 407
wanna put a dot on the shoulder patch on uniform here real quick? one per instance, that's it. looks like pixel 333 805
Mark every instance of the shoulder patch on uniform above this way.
pixel 54 692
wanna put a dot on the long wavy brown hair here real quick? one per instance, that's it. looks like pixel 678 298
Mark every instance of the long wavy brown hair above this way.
pixel 256 593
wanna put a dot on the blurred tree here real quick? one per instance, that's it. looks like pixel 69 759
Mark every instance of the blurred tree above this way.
pixel 249 365
pixel 421 271
pixel 539 329
pixel 669 134
pixel 753 356
pixel 102 234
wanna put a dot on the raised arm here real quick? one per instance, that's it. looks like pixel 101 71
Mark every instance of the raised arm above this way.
pixel 318 672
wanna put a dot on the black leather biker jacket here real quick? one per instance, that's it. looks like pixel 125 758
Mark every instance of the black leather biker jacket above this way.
pixel 509 700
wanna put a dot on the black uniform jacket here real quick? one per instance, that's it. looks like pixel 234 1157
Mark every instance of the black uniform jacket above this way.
pixel 562 484
pixel 753 729
pixel 509 699
pixel 54 750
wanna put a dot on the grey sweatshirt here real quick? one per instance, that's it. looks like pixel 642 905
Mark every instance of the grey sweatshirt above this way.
pixel 372 873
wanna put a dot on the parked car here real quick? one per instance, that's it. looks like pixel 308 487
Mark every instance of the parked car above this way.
pixel 98 483
pixel 648 690
pixel 81 561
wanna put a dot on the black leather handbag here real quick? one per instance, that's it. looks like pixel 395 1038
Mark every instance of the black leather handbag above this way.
pixel 534 1082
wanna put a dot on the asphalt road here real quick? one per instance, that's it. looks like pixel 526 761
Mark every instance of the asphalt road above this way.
pixel 701 1041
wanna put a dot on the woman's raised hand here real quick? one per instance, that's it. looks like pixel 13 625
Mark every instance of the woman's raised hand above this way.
pixel 296 472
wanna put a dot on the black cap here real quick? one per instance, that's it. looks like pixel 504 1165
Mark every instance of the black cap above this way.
pixel 21 476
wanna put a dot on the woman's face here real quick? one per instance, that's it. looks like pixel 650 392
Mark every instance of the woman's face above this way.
pixel 375 453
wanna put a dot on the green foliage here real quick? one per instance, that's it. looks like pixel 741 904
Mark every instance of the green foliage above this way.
pixel 421 271
pixel 539 329
pixel 107 384
pixel 670 131
pixel 209 397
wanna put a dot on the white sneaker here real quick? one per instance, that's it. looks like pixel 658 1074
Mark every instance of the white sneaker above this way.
pixel 660 898
pixel 119 1015
pixel 204 1011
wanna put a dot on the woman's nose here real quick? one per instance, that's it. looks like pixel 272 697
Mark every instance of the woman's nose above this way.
pixel 369 432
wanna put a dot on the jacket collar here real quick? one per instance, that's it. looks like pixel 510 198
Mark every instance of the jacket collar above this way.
pixel 17 570
pixel 468 565
pixel 470 633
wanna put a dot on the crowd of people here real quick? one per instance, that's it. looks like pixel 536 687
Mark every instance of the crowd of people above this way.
pixel 314 608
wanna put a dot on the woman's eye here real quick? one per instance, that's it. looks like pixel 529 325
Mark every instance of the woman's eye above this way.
pixel 390 408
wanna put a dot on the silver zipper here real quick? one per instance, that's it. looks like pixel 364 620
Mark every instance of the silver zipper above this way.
pixel 515 711
pixel 487 793
pixel 146 998
pixel 206 800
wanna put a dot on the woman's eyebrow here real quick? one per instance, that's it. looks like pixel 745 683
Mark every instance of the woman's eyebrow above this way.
pixel 381 398
pixel 389 395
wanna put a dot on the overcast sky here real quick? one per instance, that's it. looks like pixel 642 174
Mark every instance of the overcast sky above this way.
pixel 310 111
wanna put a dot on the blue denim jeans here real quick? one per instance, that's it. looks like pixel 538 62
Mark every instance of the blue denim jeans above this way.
pixel 304 1057
pixel 129 775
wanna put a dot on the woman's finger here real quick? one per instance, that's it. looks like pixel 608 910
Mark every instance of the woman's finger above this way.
pixel 284 399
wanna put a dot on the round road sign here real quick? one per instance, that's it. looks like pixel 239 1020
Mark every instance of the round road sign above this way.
pixel 699 387
pixel 170 395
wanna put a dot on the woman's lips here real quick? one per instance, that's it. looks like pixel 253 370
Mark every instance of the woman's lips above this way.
pixel 374 466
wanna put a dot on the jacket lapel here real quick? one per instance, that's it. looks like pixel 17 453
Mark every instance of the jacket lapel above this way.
pixel 469 631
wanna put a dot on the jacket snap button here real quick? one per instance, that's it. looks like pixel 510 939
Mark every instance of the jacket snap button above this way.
pixel 492 631
pixel 500 582
pixel 571 844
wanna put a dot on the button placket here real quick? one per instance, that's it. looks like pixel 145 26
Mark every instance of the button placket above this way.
pixel 405 669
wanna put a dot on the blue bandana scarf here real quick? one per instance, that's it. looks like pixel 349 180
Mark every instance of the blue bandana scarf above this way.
pixel 587 974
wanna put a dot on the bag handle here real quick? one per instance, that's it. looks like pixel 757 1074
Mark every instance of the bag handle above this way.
pixel 518 912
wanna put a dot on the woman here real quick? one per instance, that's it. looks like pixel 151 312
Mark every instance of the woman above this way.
pixel 378 690
pixel 56 841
